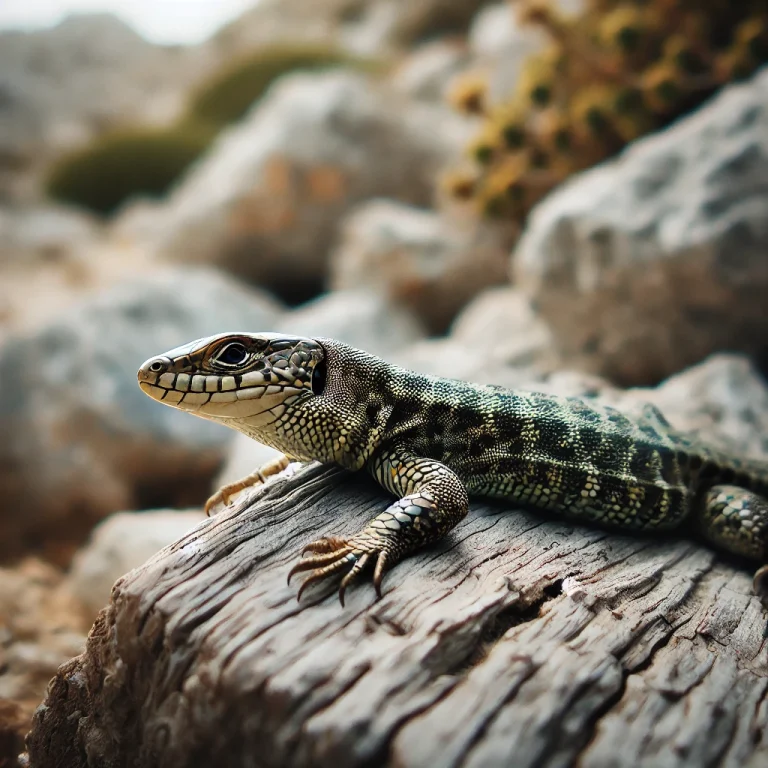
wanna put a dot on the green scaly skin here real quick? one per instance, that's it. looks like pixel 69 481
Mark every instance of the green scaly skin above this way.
pixel 434 442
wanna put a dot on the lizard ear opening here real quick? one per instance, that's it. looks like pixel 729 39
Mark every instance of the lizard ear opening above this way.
pixel 319 377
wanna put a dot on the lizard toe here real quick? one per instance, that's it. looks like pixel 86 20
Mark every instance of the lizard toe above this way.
pixel 315 562
pixel 352 575
pixel 319 574
pixel 324 545
pixel 379 571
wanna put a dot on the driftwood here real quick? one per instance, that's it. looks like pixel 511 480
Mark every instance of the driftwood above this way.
pixel 519 641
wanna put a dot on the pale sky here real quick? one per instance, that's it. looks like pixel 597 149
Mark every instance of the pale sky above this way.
pixel 162 21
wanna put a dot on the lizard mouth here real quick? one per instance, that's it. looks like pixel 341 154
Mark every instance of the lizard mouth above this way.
pixel 224 397
pixel 247 384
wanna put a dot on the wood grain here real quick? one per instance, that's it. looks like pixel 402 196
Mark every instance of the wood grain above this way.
pixel 519 641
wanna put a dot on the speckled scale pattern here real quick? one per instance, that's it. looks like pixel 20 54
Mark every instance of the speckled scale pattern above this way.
pixel 434 442
pixel 733 515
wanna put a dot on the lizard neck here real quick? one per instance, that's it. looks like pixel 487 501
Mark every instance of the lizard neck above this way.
pixel 348 416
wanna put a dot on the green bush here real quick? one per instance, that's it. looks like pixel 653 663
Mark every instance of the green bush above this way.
pixel 118 166
pixel 614 70
pixel 228 95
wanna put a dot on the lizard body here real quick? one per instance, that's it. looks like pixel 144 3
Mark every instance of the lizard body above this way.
pixel 433 442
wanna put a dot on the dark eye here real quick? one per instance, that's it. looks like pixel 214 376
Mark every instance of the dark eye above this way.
pixel 233 354
pixel 319 376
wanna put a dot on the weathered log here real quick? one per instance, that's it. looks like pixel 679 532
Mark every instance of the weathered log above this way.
pixel 519 641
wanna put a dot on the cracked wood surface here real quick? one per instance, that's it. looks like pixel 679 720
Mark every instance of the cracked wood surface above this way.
pixel 518 641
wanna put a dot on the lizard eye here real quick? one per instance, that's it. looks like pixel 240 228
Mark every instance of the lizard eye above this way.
pixel 319 377
pixel 233 354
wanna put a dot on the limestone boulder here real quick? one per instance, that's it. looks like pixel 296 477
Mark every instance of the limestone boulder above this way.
pixel 426 19
pixel 43 232
pixel 418 258
pixel 649 263
pixel 360 318
pixel 723 398
pixel 496 339
pixel 266 200
pixel 80 439
pixel 370 27
pixel 500 326
pixel 499 46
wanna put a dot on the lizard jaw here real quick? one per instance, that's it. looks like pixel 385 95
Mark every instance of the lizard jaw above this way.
pixel 213 398
pixel 267 373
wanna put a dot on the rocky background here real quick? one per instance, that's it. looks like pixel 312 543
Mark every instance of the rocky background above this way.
pixel 319 209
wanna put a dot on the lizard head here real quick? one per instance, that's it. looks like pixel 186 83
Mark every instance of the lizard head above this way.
pixel 309 398
pixel 236 377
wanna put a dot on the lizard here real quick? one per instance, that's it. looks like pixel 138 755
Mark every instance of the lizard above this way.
pixel 434 442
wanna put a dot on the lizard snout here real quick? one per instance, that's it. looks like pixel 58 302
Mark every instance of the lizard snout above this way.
pixel 152 369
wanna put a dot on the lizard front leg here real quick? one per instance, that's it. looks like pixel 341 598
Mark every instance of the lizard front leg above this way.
pixel 432 501
pixel 258 477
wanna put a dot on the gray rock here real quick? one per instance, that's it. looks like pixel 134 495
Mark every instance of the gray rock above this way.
pixel 295 21
pixel 418 259
pixel 61 86
pixel 265 202
pixel 426 19
pixel 451 359
pixel 496 339
pixel 370 27
pixel 648 264
pixel 43 232
pixel 80 438
pixel 494 31
pixel 119 544
pixel 501 326
pixel 360 318
pixel 723 399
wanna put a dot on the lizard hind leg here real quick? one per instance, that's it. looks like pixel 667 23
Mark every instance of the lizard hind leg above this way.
pixel 736 520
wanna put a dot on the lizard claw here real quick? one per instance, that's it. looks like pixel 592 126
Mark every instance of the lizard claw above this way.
pixel 334 554
pixel 220 497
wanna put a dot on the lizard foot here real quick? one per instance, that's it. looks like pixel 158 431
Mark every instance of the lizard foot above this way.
pixel 259 477
pixel 332 555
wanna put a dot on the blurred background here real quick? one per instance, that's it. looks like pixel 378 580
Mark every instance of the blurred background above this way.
pixel 568 195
